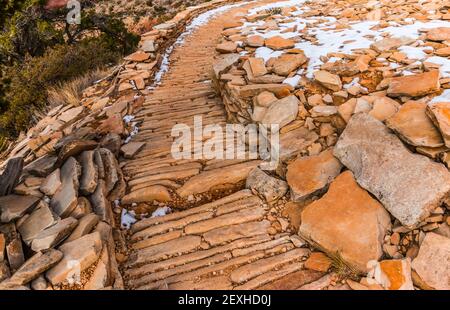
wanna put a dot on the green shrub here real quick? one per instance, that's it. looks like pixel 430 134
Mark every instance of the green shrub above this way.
pixel 26 84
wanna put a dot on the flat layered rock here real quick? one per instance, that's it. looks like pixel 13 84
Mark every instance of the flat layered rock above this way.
pixel 308 176
pixel 65 199
pixel 282 112
pixel 53 235
pixel 234 232
pixel 410 186
pixel 414 85
pixel 295 141
pixel 328 80
pixel 280 90
pixel 258 66
pixel 433 261
pixel 439 34
pixel 279 43
pixel 257 268
pixel 34 267
pixel 226 47
pixel 78 256
pixel 413 125
pixel 223 63
pixel 89 173
pixel 84 227
pixel 129 150
pixel 208 180
pixel 41 218
pixel 272 189
pixel 11 175
pixel 384 108
pixel 388 44
pixel 51 183
pixel 440 114
pixel 14 206
pixel 348 221
pixel 148 194
pixel 43 166
pixel 287 63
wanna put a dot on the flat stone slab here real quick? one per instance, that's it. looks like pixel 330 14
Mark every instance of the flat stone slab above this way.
pixel 409 186
pixel 413 125
pixel 32 268
pixel 14 206
pixel 41 218
pixel 440 114
pixel 78 256
pixel 209 180
pixel 52 236
pixel 347 221
pixel 432 263
pixel 308 176
pixel 414 85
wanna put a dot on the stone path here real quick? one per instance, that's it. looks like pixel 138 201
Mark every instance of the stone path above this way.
pixel 220 245
pixel 186 91
pixel 229 243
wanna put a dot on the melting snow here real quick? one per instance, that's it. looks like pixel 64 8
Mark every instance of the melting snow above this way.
pixel 161 212
pixel 444 97
pixel 127 219
pixel 358 35
pixel 443 62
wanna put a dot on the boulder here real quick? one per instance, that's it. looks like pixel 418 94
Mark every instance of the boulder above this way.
pixel 13 207
pixel 282 111
pixel 410 186
pixel 272 189
pixel 309 176
pixel 432 264
pixel 414 85
pixel 14 251
pixel 71 114
pixel 112 142
pixel 78 256
pixel 53 235
pixel 347 221
pixel 412 125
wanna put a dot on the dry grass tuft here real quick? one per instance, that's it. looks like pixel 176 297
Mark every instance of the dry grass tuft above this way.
pixel 70 93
